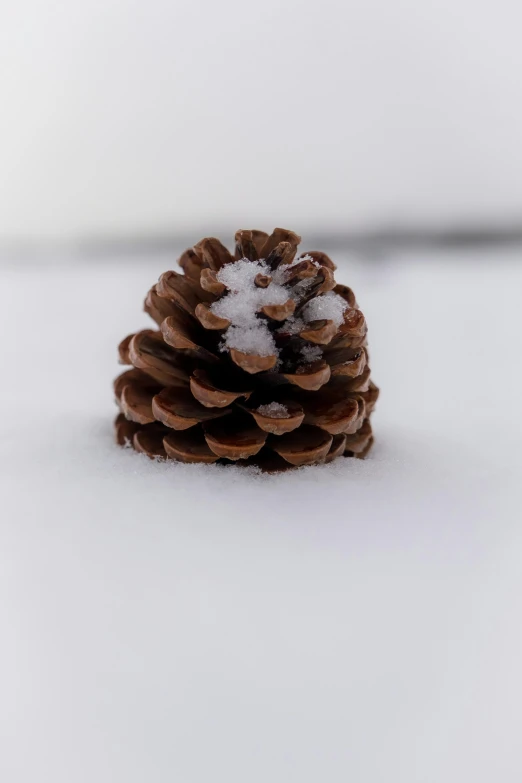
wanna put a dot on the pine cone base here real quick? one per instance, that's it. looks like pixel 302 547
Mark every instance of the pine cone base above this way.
pixel 260 359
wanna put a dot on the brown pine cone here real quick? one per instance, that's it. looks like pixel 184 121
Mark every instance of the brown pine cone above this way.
pixel 260 357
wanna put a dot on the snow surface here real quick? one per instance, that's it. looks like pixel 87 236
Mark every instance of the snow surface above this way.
pixel 354 622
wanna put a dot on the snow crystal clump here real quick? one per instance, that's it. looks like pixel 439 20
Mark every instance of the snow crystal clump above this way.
pixel 275 410
pixel 292 325
pixel 240 275
pixel 256 340
pixel 247 332
pixel 311 353
pixel 329 306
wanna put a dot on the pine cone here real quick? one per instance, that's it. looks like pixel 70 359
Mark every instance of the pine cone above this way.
pixel 260 358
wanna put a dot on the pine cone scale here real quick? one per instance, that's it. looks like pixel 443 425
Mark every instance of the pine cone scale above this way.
pixel 189 446
pixel 210 395
pixel 310 377
pixel 177 408
pixel 238 438
pixel 271 420
pixel 305 446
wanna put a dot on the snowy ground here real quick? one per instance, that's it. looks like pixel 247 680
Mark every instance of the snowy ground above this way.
pixel 185 624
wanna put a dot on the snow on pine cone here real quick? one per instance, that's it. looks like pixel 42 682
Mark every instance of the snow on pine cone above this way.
pixel 260 357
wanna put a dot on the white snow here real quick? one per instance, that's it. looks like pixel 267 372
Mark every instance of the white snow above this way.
pixel 243 302
pixel 275 410
pixel 329 306
pixel 256 339
pixel 311 353
pixel 357 621
pixel 292 325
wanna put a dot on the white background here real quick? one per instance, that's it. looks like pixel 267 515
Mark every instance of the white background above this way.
pixel 186 624
pixel 125 118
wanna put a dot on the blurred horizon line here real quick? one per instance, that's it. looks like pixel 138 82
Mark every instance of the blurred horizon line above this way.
pixel 370 242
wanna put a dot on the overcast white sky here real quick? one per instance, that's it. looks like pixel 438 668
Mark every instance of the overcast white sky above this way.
pixel 122 117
